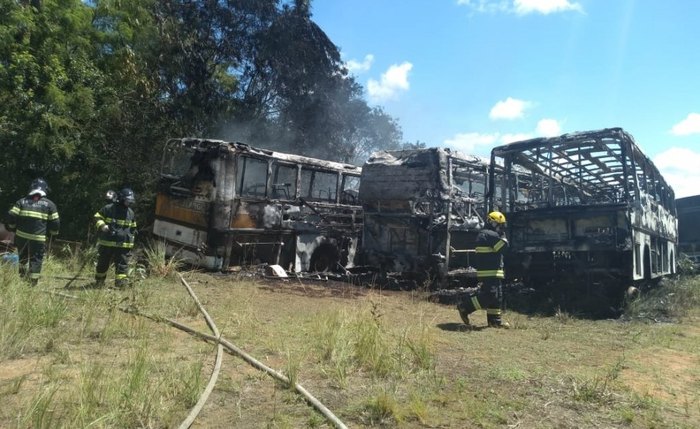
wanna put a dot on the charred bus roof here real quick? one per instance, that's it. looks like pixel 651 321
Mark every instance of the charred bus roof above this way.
pixel 412 173
pixel 223 146
pixel 598 163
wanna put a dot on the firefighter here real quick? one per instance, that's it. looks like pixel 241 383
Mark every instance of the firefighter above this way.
pixel 490 246
pixel 33 219
pixel 116 227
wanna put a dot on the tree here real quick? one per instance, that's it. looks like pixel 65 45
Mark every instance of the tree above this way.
pixel 90 92
pixel 48 90
pixel 305 89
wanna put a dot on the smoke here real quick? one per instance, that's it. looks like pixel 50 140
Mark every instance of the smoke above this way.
pixel 258 133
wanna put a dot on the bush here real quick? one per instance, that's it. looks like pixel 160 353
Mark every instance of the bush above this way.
pixel 685 265
pixel 159 264
pixel 672 299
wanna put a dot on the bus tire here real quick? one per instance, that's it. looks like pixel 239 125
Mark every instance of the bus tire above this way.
pixel 325 258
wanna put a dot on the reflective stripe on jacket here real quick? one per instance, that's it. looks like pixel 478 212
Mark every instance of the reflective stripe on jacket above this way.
pixel 121 223
pixel 33 217
pixel 488 259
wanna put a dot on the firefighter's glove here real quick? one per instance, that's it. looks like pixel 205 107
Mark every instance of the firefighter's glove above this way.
pixel 104 228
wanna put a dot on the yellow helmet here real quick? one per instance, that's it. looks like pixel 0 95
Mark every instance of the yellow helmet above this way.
pixel 497 218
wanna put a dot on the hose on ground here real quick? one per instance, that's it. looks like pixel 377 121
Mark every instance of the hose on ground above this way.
pixel 217 339
pixel 251 360
pixel 217 365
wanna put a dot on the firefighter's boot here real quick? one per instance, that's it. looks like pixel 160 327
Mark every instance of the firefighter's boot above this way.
pixel 100 279
pixel 464 308
pixel 495 319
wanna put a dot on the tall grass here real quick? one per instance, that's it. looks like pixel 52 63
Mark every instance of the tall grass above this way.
pixel 293 365
pixel 27 316
pixel 333 340
pixel 139 389
pixel 671 299
pixel 358 340
pixel 74 259
pixel 598 388
pixel 383 408
pixel 158 262
pixel 41 413
pixel 136 387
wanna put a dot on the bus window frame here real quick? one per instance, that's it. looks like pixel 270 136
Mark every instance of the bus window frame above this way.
pixel 275 164
pixel 314 172
pixel 240 177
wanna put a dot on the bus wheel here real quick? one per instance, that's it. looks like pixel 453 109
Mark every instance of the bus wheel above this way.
pixel 325 258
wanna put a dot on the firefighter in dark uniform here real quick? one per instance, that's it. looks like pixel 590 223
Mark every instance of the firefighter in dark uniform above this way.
pixel 32 219
pixel 488 261
pixel 116 227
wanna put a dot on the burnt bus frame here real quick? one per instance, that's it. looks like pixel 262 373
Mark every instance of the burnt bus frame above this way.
pixel 230 229
pixel 415 190
pixel 589 215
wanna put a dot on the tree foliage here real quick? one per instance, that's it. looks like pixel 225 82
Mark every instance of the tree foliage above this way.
pixel 50 87
pixel 90 92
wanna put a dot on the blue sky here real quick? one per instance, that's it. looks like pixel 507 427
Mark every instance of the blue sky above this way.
pixel 473 74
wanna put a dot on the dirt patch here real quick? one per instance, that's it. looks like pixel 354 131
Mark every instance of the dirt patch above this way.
pixel 325 289
pixel 19 380
pixel 18 368
pixel 669 375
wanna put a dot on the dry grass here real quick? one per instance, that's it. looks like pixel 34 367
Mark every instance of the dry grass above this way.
pixel 376 359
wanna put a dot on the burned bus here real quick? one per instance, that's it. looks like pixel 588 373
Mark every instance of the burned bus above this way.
pixel 422 211
pixel 588 216
pixel 223 204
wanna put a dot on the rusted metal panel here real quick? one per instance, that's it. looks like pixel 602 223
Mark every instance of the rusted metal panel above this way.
pixel 188 211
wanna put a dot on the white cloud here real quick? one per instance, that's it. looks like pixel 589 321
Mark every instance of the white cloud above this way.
pixel 522 7
pixel 545 7
pixel 679 168
pixel 481 143
pixel 548 128
pixel 484 6
pixel 510 108
pixel 689 125
pixel 360 67
pixel 393 81
pixel 470 143
pixel 511 138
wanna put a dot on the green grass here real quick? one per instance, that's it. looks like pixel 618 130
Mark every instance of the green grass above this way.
pixel 375 359
pixel 27 319
pixel 672 300
pixel 157 261
pixel 359 341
